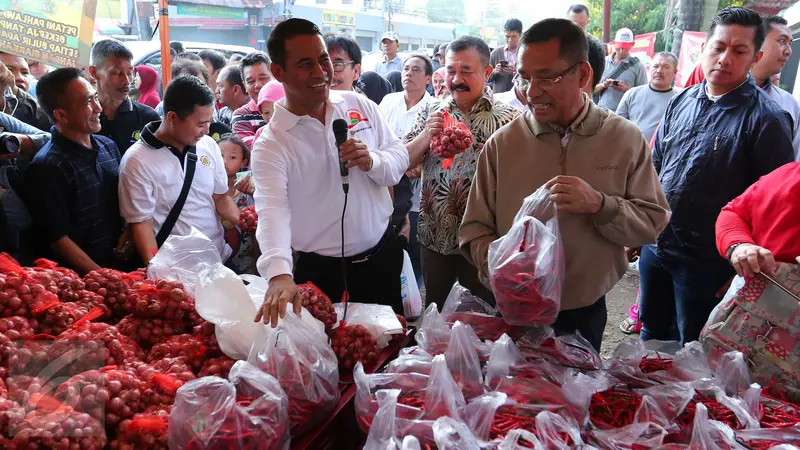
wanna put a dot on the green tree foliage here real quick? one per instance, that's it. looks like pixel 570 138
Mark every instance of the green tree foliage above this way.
pixel 445 11
pixel 641 16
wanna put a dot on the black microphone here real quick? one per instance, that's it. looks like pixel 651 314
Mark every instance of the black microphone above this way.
pixel 340 133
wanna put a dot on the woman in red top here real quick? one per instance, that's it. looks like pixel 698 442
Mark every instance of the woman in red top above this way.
pixel 762 225
pixel 147 80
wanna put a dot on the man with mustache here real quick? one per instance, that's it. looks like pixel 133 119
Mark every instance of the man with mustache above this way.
pixel 645 105
pixel 300 195
pixel 71 184
pixel 444 191
pixel 777 49
pixel 717 138
pixel 596 166
pixel 122 119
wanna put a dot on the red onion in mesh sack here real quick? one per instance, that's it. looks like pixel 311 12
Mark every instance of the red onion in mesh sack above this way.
pixel 95 345
pixel 108 394
pixel 208 336
pixel 318 304
pixel 55 426
pixel 16 292
pixel 161 299
pixel 353 343
pixel 148 332
pixel 248 219
pixel 219 367
pixel 146 430
pixel 11 414
pixel 114 286
pixel 54 317
pixel 160 389
pixel 66 280
pixel 22 387
pixel 177 367
pixel 454 139
pixel 16 328
pixel 181 345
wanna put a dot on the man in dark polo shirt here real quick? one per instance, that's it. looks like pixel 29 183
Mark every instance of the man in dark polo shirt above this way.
pixel 122 119
pixel 71 185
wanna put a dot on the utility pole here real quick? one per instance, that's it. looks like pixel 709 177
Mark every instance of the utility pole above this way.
pixel 606 20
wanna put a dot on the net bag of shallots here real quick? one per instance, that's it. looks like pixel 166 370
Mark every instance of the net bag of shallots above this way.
pixel 526 266
pixel 455 139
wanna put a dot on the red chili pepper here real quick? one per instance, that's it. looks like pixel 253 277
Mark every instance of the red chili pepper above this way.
pixel 657 364
pixel 613 408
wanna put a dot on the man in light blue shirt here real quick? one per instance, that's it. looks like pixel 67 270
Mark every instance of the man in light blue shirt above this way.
pixel 390 42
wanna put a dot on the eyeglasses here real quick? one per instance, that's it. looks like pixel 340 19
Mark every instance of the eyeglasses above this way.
pixel 338 66
pixel 547 84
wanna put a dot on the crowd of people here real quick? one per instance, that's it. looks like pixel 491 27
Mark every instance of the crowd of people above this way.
pixel 105 168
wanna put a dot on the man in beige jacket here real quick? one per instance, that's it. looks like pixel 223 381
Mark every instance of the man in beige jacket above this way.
pixel 597 166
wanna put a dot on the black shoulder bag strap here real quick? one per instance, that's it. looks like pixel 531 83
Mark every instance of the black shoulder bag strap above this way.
pixel 175 212
pixel 632 61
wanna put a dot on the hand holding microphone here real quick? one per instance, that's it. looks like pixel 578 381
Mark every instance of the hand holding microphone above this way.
pixel 352 152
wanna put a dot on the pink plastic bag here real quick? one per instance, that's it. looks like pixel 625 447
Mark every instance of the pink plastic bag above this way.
pixel 526 266
pixel 247 411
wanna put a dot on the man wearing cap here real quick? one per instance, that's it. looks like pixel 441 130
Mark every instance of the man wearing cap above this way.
pixel 390 42
pixel 622 72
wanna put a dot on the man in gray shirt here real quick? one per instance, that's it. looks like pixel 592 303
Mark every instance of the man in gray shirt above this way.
pixel 622 72
pixel 645 105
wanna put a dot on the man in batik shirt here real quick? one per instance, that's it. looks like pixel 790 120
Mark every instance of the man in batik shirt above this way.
pixel 445 191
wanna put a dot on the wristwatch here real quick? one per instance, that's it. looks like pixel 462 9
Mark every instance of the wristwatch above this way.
pixel 730 250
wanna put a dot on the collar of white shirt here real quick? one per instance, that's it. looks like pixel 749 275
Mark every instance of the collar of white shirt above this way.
pixel 284 119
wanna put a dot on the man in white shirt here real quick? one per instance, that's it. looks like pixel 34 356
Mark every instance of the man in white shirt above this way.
pixel 400 109
pixel 152 173
pixel 515 97
pixel 300 196
pixel 645 105
pixel 777 49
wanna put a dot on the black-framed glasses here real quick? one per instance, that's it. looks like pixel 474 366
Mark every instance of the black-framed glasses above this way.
pixel 338 66
pixel 547 84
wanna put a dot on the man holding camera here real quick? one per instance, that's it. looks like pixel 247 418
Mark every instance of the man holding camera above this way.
pixel 622 72
pixel 504 59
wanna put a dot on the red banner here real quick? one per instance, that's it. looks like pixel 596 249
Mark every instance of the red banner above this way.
pixel 690 55
pixel 644 43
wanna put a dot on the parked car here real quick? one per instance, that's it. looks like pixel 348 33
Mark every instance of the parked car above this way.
pixel 149 52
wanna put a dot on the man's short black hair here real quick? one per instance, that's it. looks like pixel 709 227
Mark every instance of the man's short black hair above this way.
pixel 285 31
pixel 252 59
pixel 577 9
pixel 342 42
pixel 172 53
pixel 177 46
pixel 573 46
pixel 471 42
pixel 189 56
pixel 771 21
pixel 236 57
pixel 425 59
pixel 214 57
pixel 735 15
pixel 184 93
pixel 51 88
pixel 233 75
pixel 597 58
pixel 513 25
pixel 188 67
pixel 109 48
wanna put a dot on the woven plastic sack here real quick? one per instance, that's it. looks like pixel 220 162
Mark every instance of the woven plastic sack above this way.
pixel 247 411
pixel 526 266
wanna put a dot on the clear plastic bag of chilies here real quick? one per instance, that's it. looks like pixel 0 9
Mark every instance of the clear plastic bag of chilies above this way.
pixel 299 357
pixel 463 360
pixel 473 311
pixel 453 434
pixel 526 266
pixel 505 360
pixel 247 411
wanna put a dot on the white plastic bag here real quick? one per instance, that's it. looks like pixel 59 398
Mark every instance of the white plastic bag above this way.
pixel 223 299
pixel 380 320
pixel 183 258
pixel 412 299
